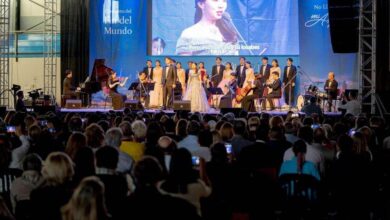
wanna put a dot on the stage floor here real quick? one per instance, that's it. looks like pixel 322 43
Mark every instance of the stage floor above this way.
pixel 212 111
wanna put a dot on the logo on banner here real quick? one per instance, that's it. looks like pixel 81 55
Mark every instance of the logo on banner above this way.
pixel 320 16
pixel 116 20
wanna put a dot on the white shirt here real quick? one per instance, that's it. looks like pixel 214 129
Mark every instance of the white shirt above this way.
pixel 191 144
pixel 288 70
pixel 264 67
pixel 149 70
pixel 218 68
pixel 312 155
pixel 241 69
pixel 166 71
pixel 352 107
pixel 19 153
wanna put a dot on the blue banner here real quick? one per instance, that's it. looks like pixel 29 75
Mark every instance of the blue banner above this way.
pixel 118 34
pixel 316 54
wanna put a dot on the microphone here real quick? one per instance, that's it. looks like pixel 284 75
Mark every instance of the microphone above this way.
pixel 229 22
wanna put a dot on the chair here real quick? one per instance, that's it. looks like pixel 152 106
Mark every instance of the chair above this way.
pixel 6 179
pixel 300 194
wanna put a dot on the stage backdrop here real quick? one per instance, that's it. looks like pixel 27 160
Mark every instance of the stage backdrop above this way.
pixel 119 33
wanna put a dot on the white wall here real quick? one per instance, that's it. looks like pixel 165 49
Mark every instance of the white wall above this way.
pixel 28 73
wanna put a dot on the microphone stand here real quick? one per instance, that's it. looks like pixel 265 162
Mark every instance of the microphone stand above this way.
pixel 290 90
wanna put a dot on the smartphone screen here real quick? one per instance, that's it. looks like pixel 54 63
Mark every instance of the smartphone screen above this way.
pixel 43 123
pixel 11 129
pixel 195 161
pixel 228 148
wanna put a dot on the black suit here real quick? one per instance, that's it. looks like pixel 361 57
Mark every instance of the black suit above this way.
pixel 276 93
pixel 265 72
pixel 288 77
pixel 149 73
pixel 331 88
pixel 240 75
pixel 217 76
pixel 169 78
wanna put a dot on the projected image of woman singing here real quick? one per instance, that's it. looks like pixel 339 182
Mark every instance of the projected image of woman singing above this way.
pixel 213 32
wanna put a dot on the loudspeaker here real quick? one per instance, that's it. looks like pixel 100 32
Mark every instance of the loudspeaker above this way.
pixel 344 25
pixel 73 103
pixel 235 111
pixel 182 105
pixel 226 102
pixel 134 105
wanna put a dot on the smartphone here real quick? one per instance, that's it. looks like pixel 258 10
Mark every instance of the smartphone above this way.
pixel 83 120
pixel 351 132
pixel 11 129
pixel 195 161
pixel 315 126
pixel 228 148
pixel 43 123
pixel 295 115
pixel 52 130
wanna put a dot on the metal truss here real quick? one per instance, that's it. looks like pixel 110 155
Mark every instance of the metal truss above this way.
pixel 371 101
pixel 50 44
pixel 4 52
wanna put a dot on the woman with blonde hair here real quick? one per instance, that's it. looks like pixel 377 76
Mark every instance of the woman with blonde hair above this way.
pixel 87 202
pixel 56 189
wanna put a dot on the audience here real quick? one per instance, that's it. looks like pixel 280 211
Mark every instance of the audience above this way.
pixel 87 202
pixel 113 138
pixel 298 164
pixel 48 198
pixel 189 166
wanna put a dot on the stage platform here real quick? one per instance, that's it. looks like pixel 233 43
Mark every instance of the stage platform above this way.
pixel 211 112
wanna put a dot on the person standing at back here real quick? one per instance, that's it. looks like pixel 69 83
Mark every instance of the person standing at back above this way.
pixel 217 72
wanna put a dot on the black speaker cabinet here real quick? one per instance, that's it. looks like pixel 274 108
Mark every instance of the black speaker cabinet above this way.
pixel 182 105
pixel 134 105
pixel 73 103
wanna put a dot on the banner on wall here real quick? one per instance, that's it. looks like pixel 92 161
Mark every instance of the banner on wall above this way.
pixel 118 35
pixel 316 54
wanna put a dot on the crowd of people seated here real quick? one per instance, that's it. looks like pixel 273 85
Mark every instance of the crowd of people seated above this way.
pixel 135 165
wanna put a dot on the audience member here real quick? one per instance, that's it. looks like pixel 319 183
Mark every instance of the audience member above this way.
pixel 113 138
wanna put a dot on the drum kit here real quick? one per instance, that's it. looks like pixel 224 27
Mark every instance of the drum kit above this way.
pixel 311 91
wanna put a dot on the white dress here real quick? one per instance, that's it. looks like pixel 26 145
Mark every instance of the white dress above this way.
pixel 249 79
pixel 156 96
pixel 196 93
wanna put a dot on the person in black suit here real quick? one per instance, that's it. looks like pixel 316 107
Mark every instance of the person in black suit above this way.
pixel 20 107
pixel 148 70
pixel 276 93
pixel 331 88
pixel 265 69
pixel 289 79
pixel 217 73
pixel 188 70
pixel 240 70
pixel 169 78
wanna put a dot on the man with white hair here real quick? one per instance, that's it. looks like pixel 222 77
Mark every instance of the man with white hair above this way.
pixel 113 138
pixel 133 137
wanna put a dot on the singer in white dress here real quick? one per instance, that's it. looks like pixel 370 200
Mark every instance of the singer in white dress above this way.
pixel 156 96
pixel 212 33
pixel 195 91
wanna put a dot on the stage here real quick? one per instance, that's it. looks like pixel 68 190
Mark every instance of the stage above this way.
pixel 171 112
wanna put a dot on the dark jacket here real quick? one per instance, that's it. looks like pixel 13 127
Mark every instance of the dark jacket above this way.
pixel 240 75
pixel 216 77
pixel 287 77
pixel 171 78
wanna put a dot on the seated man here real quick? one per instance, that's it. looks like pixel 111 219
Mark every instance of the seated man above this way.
pixel 276 93
pixel 248 101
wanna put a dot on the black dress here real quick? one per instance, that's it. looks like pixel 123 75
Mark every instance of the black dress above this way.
pixel 117 98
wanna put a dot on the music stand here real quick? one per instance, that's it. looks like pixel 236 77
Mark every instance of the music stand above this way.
pixel 215 92
pixel 133 86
